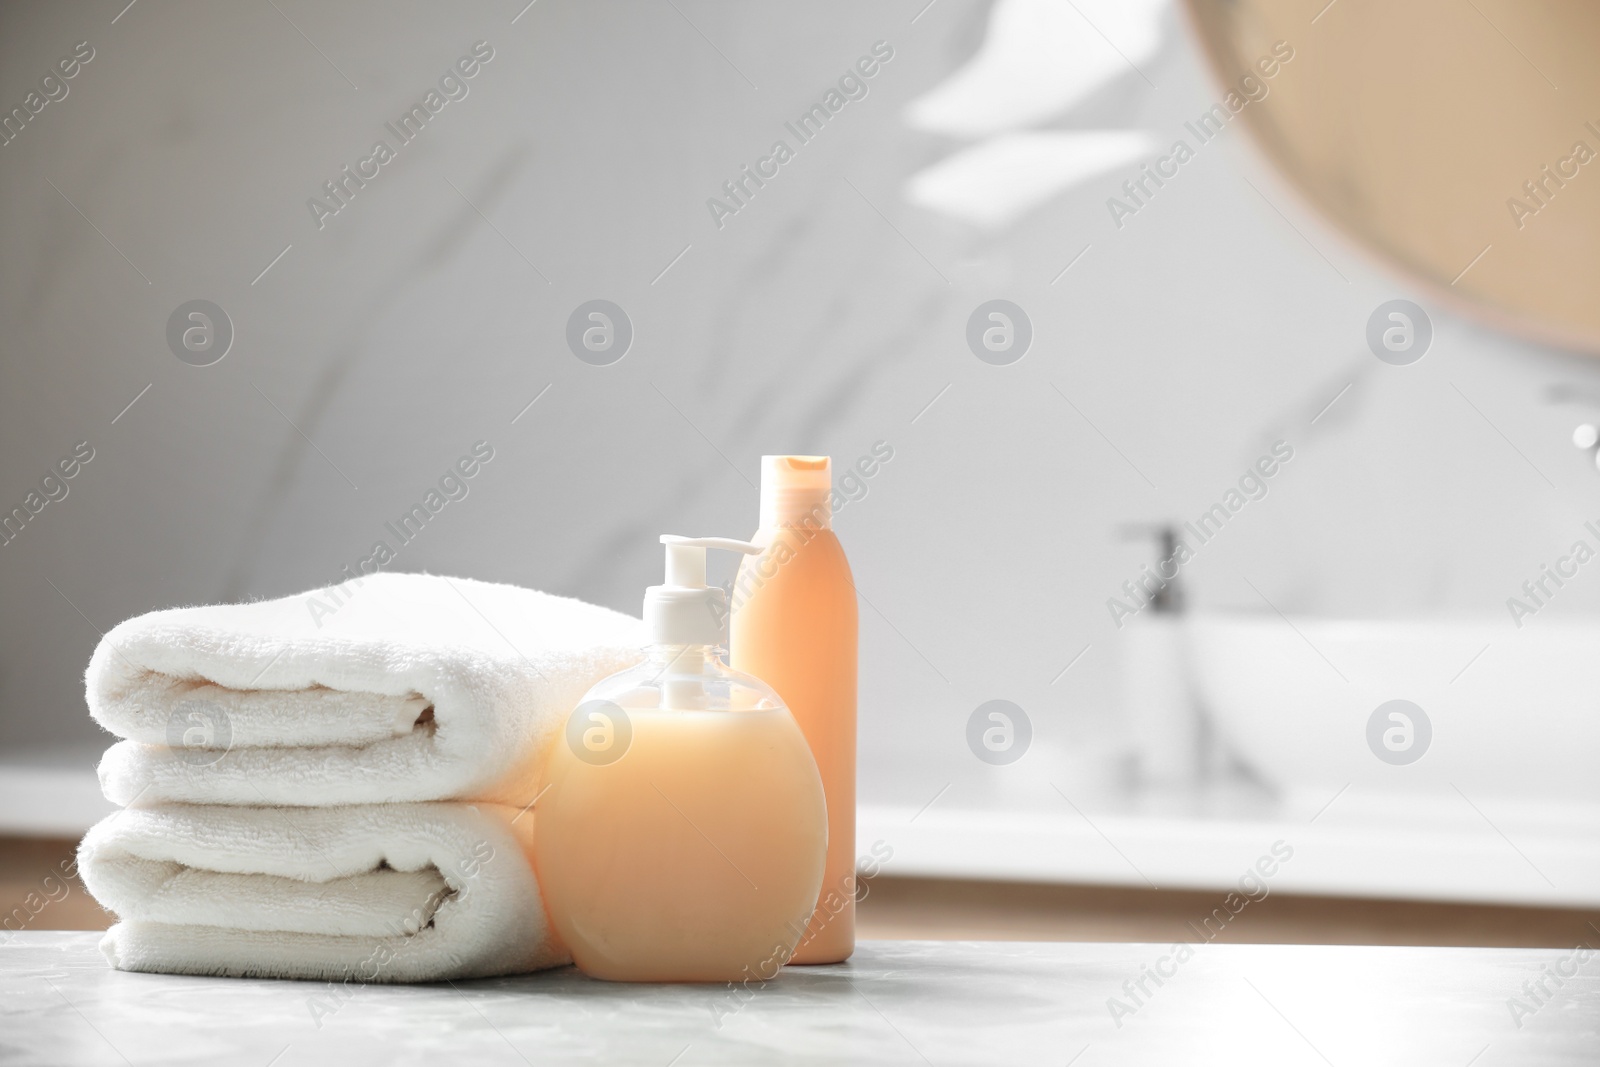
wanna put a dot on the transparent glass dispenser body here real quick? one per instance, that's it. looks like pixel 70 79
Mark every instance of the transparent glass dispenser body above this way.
pixel 682 829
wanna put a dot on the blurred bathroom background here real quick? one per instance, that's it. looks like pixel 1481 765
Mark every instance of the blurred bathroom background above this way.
pixel 1166 340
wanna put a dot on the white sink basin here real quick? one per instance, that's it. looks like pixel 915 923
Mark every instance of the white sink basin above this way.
pixel 1515 730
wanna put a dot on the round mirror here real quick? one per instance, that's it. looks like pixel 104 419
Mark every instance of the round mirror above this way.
pixel 1458 139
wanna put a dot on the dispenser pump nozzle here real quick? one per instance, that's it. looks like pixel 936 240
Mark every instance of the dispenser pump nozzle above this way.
pixel 683 610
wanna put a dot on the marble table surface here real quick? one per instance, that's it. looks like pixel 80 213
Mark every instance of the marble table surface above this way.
pixel 913 1002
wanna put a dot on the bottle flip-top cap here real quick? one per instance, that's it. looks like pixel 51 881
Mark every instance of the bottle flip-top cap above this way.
pixel 684 610
pixel 797 491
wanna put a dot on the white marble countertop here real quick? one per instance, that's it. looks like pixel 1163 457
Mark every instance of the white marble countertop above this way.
pixel 896 1002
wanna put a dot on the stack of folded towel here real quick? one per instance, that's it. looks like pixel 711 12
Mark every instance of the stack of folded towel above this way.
pixel 337 785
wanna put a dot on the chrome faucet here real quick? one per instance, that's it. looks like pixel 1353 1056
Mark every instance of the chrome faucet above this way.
pixel 1586 436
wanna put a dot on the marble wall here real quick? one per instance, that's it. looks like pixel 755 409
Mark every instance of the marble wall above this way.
pixel 375 344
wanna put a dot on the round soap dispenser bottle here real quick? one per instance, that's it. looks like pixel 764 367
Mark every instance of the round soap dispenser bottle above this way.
pixel 681 828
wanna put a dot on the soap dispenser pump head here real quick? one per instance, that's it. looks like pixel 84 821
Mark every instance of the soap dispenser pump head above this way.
pixel 684 610
pixel 1168 598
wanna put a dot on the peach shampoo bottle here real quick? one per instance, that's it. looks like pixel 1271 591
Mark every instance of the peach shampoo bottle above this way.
pixel 681 829
pixel 794 626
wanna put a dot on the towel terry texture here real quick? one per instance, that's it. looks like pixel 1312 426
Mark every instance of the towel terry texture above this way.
pixel 402 687
pixel 373 893
pixel 337 785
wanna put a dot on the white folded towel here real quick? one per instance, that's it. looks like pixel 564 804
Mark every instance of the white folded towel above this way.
pixel 368 893
pixel 404 687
